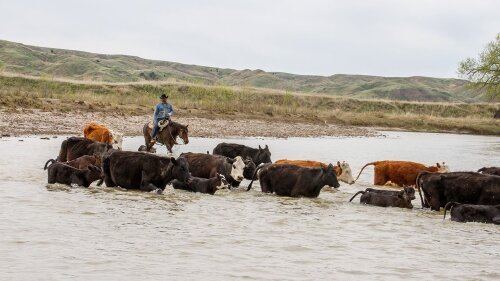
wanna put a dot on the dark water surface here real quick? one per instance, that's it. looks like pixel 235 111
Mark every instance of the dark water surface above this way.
pixel 57 232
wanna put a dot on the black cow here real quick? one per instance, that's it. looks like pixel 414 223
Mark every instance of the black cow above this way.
pixel 473 213
pixel 490 171
pixel 259 156
pixel 144 148
pixel 61 173
pixel 387 198
pixel 295 181
pixel 75 147
pixel 144 171
pixel 410 192
pixel 207 166
pixel 463 187
pixel 195 184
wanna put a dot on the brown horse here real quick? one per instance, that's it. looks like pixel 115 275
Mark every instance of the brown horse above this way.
pixel 167 136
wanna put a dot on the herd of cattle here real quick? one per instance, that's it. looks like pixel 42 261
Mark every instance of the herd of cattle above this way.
pixel 470 196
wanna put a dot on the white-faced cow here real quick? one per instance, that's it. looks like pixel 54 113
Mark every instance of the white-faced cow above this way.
pixel 295 181
pixel 463 187
pixel 473 213
pixel 144 171
pixel 195 184
pixel 231 150
pixel 204 165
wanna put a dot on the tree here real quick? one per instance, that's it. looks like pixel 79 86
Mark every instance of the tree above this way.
pixel 483 73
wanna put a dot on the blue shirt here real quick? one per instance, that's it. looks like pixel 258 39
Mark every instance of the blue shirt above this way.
pixel 162 111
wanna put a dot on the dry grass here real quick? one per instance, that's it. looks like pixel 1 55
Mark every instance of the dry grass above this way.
pixel 245 102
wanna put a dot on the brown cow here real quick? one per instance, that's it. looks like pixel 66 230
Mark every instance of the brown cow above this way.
pixel 342 170
pixel 81 162
pixel 99 132
pixel 400 173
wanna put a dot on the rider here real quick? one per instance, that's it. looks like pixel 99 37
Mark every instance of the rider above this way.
pixel 163 110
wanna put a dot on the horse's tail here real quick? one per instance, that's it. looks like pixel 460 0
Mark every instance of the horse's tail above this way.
pixel 359 192
pixel 47 163
pixel 253 177
pixel 368 164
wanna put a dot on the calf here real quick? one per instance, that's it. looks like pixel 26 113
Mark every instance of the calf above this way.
pixel 383 199
pixel 144 148
pixel 490 171
pixel 231 150
pixel 463 187
pixel 202 185
pixel 75 147
pixel 400 172
pixel 295 181
pixel 207 166
pixel 81 162
pixel 408 190
pixel 65 174
pixel 473 213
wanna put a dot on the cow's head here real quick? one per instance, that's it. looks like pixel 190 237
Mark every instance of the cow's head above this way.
pixel 330 177
pixel 180 169
pixel 410 191
pixel 249 168
pixel 442 168
pixel 345 172
pixel 263 156
pixel 237 166
pixel 406 200
pixel 221 182
pixel 94 173
pixel 117 139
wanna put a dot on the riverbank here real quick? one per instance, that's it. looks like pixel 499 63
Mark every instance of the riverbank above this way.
pixel 35 122
pixel 257 112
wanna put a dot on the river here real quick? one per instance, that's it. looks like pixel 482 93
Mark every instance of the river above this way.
pixel 55 232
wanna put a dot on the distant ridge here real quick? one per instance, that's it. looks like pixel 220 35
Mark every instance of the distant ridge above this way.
pixel 78 65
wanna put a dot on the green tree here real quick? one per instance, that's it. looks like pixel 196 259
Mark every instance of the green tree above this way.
pixel 483 73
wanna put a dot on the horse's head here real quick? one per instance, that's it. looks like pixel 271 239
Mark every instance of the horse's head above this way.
pixel 183 133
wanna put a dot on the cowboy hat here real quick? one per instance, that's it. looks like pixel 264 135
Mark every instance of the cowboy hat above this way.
pixel 163 96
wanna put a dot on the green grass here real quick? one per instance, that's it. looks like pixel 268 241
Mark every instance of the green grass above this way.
pixel 250 103
pixel 83 66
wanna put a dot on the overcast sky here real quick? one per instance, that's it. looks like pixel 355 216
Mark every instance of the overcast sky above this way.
pixel 386 38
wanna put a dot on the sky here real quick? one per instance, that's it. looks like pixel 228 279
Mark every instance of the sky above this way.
pixel 384 37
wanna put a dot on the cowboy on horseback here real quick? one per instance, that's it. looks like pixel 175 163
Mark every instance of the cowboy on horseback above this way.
pixel 163 111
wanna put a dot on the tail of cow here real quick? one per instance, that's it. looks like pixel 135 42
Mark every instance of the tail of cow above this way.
pixel 105 169
pixel 417 184
pixel 449 205
pixel 368 164
pixel 359 192
pixel 47 163
pixel 253 177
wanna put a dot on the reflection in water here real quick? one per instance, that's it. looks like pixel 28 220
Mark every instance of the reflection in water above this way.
pixel 59 232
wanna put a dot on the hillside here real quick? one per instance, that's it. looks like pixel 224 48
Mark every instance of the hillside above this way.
pixel 51 62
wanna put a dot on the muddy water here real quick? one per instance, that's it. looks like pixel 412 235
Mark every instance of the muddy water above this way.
pixel 57 232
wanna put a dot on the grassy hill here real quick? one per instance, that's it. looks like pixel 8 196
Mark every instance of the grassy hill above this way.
pixel 77 65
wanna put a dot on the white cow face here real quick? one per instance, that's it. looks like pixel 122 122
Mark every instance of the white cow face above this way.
pixel 117 140
pixel 223 182
pixel 346 174
pixel 443 168
pixel 237 168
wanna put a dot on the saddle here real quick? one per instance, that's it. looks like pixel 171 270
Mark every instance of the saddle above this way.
pixel 162 124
